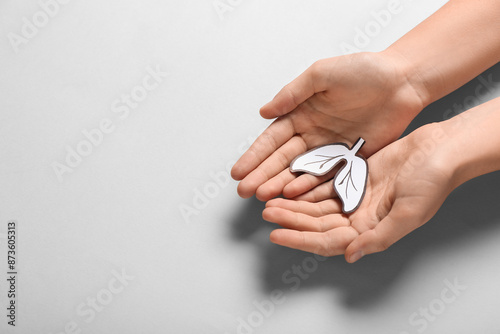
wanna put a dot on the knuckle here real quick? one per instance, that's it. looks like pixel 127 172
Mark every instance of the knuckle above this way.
pixel 292 95
pixel 282 158
pixel 269 139
pixel 326 246
pixel 317 68
pixel 384 244
pixel 321 224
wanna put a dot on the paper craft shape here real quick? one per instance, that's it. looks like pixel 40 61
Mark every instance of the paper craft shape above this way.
pixel 349 182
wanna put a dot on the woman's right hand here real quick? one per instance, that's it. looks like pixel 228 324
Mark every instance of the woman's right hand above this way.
pixel 338 99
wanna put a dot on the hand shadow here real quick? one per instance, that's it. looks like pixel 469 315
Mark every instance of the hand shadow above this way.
pixel 468 213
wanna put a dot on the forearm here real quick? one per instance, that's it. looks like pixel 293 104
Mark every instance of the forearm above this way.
pixel 451 47
pixel 472 142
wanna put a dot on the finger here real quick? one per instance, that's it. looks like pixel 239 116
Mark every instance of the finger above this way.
pixel 306 182
pixel 290 184
pixel 277 134
pixel 401 220
pixel 318 209
pixel 312 81
pixel 303 222
pixel 322 192
pixel 275 185
pixel 333 242
pixel 272 166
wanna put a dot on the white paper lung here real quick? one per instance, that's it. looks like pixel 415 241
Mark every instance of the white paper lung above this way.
pixel 320 160
pixel 349 182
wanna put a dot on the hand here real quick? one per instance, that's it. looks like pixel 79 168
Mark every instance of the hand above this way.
pixel 407 183
pixel 335 100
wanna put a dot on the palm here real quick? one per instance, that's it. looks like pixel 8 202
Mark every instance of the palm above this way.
pixel 401 195
pixel 336 100
pixel 362 99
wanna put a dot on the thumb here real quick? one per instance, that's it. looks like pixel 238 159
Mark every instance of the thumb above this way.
pixel 312 81
pixel 401 220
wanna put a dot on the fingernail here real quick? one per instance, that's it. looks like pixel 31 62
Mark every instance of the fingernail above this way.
pixel 356 256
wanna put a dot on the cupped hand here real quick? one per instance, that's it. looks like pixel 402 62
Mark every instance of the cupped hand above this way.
pixel 407 183
pixel 335 100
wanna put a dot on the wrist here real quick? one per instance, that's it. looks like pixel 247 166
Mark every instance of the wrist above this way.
pixel 410 75
pixel 441 146
pixel 472 141
pixel 430 147
pixel 451 153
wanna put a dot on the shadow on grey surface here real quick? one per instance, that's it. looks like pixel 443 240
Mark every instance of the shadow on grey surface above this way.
pixel 469 211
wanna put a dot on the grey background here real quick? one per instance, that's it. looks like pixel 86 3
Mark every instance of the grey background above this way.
pixel 120 209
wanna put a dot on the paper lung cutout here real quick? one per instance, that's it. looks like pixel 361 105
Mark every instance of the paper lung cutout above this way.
pixel 349 182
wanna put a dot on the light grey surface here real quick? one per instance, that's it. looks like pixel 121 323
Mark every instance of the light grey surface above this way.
pixel 119 210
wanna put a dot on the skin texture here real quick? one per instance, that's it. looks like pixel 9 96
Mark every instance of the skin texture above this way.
pixel 375 96
pixel 369 95
pixel 335 100
pixel 408 182
pixel 403 192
